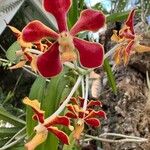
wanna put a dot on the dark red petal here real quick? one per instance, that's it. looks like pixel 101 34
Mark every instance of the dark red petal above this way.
pixel 74 100
pixel 81 100
pixel 94 113
pixel 49 64
pixel 94 122
pixel 71 108
pixel 91 54
pixel 94 103
pixel 36 30
pixel 127 52
pixel 90 19
pixel 60 134
pixel 59 9
pixel 130 20
pixel 70 115
pixel 59 120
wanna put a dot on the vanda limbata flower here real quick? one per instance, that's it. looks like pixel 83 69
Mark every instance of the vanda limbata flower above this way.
pixel 81 117
pixel 66 46
pixel 129 41
pixel 24 53
pixel 45 126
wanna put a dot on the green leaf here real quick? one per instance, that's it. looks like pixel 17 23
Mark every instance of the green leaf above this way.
pixel 6 116
pixel 50 103
pixel 37 92
pixel 72 143
pixel 73 13
pixel 110 76
pixel 118 16
pixel 8 132
pixel 11 52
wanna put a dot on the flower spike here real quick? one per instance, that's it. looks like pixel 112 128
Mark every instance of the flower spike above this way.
pixel 129 42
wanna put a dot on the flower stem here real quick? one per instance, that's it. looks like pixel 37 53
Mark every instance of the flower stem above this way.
pixel 61 108
pixel 127 138
pixel 86 92
pixel 83 92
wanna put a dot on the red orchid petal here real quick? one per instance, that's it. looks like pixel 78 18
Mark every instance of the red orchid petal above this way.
pixel 94 113
pixel 71 108
pixel 49 64
pixel 127 51
pixel 81 114
pixel 94 122
pixel 130 20
pixel 71 115
pixel 74 100
pixel 90 19
pixel 81 101
pixel 35 105
pixel 59 120
pixel 36 30
pixel 91 54
pixel 60 134
pixel 59 9
pixel 94 103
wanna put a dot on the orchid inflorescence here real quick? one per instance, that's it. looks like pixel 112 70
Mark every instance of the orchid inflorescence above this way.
pixel 129 41
pixel 49 56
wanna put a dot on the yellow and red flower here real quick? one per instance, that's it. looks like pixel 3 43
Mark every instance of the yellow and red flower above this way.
pixel 66 46
pixel 24 52
pixel 129 42
pixel 45 125
pixel 88 117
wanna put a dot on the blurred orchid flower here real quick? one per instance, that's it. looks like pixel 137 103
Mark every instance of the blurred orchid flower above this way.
pixel 24 52
pixel 129 42
pixel 66 47
pixel 88 117
pixel 45 126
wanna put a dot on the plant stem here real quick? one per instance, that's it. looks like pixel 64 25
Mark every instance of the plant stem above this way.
pixel 61 108
pixel 23 129
pixel 86 92
pixel 83 92
pixel 13 143
pixel 127 138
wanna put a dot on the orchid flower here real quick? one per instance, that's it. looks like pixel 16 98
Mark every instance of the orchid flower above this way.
pixel 129 42
pixel 24 53
pixel 45 126
pixel 88 117
pixel 66 46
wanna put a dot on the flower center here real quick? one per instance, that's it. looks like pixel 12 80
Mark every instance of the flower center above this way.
pixel 66 47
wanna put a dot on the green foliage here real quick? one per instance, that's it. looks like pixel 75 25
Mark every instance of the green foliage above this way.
pixel 11 52
pixel 110 76
pixel 37 92
pixel 6 116
pixel 73 13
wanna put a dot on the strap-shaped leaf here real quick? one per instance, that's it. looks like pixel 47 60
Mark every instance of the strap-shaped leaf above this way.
pixel 6 116
pixel 110 76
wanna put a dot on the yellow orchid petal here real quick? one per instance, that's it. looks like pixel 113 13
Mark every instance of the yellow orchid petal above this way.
pixel 23 43
pixel 78 130
pixel 15 30
pixel 37 140
pixel 115 37
pixel 33 103
pixel 18 65
pixel 141 48
pixel 19 36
